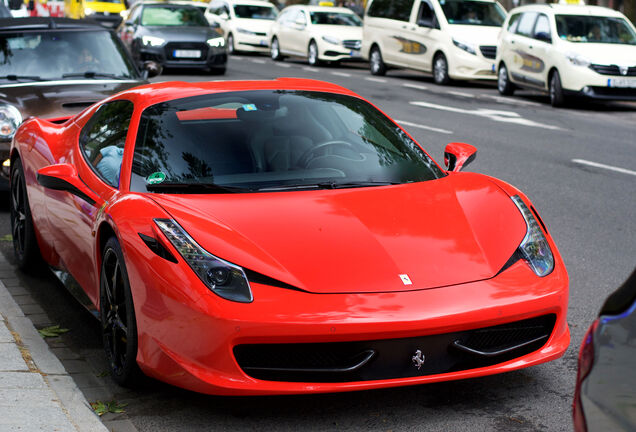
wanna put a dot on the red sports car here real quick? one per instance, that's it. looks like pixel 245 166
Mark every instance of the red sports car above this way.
pixel 272 237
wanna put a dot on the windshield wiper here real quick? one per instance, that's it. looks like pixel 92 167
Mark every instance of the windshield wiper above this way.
pixel 329 185
pixel 194 188
pixel 12 77
pixel 93 74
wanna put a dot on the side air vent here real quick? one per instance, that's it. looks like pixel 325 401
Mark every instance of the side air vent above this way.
pixel 159 249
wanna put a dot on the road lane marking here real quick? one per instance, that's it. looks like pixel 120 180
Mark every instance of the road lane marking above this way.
pixel 310 69
pixel 415 86
pixel 342 74
pixel 259 61
pixel 495 115
pixel 510 100
pixel 379 80
pixel 603 166
pixel 419 126
pixel 283 65
pixel 462 94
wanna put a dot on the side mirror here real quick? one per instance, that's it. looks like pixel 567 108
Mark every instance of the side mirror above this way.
pixel 458 155
pixel 151 69
pixel 64 177
pixel 224 16
pixel 425 22
pixel 215 25
pixel 300 23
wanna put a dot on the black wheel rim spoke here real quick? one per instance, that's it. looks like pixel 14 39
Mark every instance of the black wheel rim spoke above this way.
pixel 115 326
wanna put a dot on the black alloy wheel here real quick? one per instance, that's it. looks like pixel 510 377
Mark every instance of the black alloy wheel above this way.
pixel 117 313
pixel 25 246
pixel 376 64
pixel 440 70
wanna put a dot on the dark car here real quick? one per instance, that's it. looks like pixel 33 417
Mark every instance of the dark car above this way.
pixel 173 35
pixel 53 68
pixel 605 395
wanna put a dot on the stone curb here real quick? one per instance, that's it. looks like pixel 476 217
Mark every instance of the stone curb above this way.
pixel 73 403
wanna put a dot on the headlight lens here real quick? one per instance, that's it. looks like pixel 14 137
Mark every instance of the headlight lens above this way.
pixel 10 119
pixel 534 248
pixel 221 277
pixel 152 41
pixel 578 59
pixel 245 31
pixel 216 42
pixel 331 40
pixel 466 46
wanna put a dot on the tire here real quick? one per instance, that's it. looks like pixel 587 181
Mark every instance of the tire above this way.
pixel 274 50
pixel 218 70
pixel 312 54
pixel 25 245
pixel 119 329
pixel 376 64
pixel 440 70
pixel 230 44
pixel 504 85
pixel 557 98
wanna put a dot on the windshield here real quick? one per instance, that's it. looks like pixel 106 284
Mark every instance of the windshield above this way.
pixel 596 29
pixel 49 55
pixel 473 13
pixel 272 140
pixel 255 12
pixel 173 16
pixel 335 18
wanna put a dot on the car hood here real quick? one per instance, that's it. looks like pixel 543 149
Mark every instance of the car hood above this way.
pixel 341 32
pixel 478 35
pixel 181 33
pixel 602 53
pixel 453 230
pixel 53 99
pixel 255 25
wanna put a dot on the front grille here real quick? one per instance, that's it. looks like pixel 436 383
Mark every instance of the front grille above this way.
pixel 392 358
pixel 616 93
pixel 612 70
pixel 172 46
pixel 352 44
pixel 489 51
pixel 260 33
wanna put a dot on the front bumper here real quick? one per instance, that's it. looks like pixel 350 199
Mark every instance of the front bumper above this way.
pixel 209 57
pixel 188 335
pixel 584 81
pixel 465 66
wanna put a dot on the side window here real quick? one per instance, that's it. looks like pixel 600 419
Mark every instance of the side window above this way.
pixel 103 137
pixel 513 23
pixel 542 29
pixel 426 15
pixel 526 24
pixel 379 8
pixel 401 10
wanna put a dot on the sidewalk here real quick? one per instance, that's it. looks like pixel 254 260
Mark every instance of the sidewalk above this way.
pixel 36 392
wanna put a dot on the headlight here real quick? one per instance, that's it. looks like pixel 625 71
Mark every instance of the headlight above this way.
pixel 88 11
pixel 534 248
pixel 578 59
pixel 152 41
pixel 10 119
pixel 245 31
pixel 466 46
pixel 216 42
pixel 221 277
pixel 331 40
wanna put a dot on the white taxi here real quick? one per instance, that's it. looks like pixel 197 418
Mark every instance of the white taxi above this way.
pixel 453 39
pixel 568 50
pixel 317 33
pixel 245 23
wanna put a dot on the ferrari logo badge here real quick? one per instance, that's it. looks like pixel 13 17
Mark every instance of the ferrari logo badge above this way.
pixel 406 280
pixel 418 359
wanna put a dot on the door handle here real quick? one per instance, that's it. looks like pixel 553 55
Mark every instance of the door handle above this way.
pixel 404 26
pixel 530 46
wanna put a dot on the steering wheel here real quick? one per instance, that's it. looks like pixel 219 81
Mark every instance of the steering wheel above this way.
pixel 311 153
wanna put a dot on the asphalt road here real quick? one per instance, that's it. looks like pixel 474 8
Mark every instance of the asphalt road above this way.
pixel 549 154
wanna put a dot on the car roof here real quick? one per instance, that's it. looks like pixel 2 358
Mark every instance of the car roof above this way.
pixel 48 23
pixel 563 9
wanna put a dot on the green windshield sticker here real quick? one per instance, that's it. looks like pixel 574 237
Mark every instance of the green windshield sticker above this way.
pixel 155 177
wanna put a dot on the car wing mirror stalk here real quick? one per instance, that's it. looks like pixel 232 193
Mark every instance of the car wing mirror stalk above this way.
pixel 457 155
pixel 150 69
pixel 64 177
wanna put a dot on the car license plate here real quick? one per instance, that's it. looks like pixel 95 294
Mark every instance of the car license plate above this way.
pixel 621 82
pixel 186 53
pixel 263 42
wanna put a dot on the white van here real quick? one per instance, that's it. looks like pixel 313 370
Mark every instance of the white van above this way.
pixel 452 39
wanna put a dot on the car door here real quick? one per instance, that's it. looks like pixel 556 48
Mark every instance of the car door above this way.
pixel 298 35
pixel 524 61
pixel 98 162
pixel 540 48
pixel 423 33
pixel 284 28
pixel 397 44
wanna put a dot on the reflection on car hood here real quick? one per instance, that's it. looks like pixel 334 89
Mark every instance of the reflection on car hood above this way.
pixel 53 99
pixel 181 33
pixel 475 34
pixel 339 31
pixel 456 229
pixel 602 53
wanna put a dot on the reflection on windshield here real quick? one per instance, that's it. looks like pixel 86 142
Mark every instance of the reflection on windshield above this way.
pixel 272 140
pixel 473 13
pixel 335 18
pixel 596 29
pixel 50 55
pixel 173 16
pixel 255 12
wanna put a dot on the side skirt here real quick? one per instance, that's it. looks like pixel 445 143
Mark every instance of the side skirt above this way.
pixel 76 291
